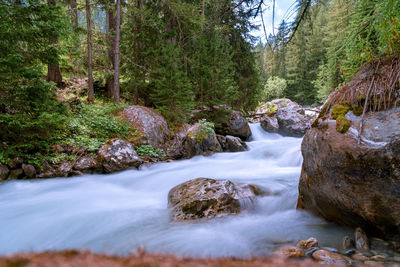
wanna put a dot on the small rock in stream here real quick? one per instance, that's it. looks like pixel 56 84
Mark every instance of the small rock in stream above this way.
pixel 308 244
pixel 347 243
pixel 361 240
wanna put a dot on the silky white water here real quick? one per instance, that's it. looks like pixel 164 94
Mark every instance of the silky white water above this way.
pixel 117 213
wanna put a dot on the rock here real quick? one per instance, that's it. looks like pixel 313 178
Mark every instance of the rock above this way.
pixel 14 163
pixel 16 174
pixel 292 121
pixel 200 141
pixel 150 124
pixel 359 257
pixel 231 144
pixel 378 257
pixel 350 252
pixel 270 124
pixel 86 164
pixel 236 125
pixel 308 244
pixel 47 171
pixel 65 169
pixel 350 182
pixel 361 240
pixel 208 198
pixel 374 264
pixel 29 170
pixel 3 172
pixel 117 154
pixel 289 252
pixel 347 243
pixel 329 257
pixel 311 251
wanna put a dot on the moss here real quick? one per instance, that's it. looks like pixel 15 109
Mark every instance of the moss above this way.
pixel 358 110
pixel 342 124
pixel 340 110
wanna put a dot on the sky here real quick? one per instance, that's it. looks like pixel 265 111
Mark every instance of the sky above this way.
pixel 283 9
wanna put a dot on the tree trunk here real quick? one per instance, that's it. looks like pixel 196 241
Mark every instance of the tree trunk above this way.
pixel 89 42
pixel 137 47
pixel 111 48
pixel 53 69
pixel 74 12
pixel 116 64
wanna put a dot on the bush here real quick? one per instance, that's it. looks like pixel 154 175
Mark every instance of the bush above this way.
pixel 148 150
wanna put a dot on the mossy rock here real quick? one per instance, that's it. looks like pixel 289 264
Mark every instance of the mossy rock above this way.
pixel 342 124
pixel 340 110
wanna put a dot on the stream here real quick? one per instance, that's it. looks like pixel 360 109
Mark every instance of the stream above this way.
pixel 117 213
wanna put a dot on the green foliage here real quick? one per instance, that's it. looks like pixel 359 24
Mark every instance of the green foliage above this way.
pixel 274 88
pixel 206 129
pixel 148 150
pixel 93 124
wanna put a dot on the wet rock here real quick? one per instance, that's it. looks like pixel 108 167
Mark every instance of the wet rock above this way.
pixel 117 154
pixel 65 169
pixel 16 174
pixel 200 141
pixel 350 252
pixel 208 198
pixel 311 251
pixel 270 124
pixel 86 164
pixel 3 172
pixel 47 171
pixel 308 244
pixel 329 257
pixel 359 257
pixel 347 243
pixel 150 124
pixel 231 144
pixel 351 182
pixel 289 252
pixel 29 170
pixel 361 240
pixel 235 125
pixel 378 257
pixel 292 121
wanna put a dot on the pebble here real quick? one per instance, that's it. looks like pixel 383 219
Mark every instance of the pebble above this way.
pixel 307 244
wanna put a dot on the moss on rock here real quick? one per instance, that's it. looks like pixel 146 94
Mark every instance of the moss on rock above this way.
pixel 342 124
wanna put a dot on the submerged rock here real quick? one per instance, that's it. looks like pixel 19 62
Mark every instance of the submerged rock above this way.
pixel 289 252
pixel 117 154
pixel 150 124
pixel 208 198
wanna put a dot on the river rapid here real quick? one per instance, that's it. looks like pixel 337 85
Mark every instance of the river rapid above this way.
pixel 117 213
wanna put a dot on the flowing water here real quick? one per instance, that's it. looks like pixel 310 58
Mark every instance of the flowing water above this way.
pixel 117 213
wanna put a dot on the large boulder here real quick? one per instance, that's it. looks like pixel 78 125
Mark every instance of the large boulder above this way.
pixel 208 198
pixel 270 124
pixel 293 121
pixel 353 178
pixel 200 140
pixel 235 125
pixel 117 154
pixel 231 143
pixel 150 124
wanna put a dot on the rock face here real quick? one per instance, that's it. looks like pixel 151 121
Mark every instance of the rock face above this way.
pixel 351 180
pixel 207 198
pixel 293 121
pixel 200 141
pixel 149 123
pixel 270 124
pixel 231 144
pixel 117 154
pixel 235 125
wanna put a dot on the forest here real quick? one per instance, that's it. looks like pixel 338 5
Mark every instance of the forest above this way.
pixel 199 133
pixel 174 56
